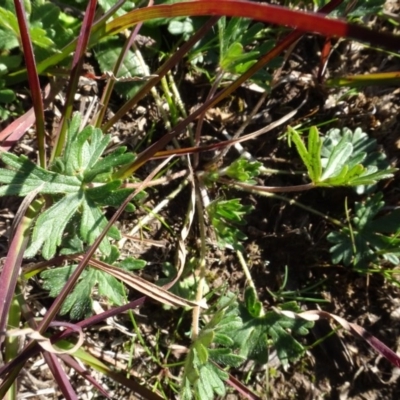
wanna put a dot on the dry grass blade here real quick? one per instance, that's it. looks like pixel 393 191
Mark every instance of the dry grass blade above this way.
pixel 375 343
pixel 181 247
pixel 147 288
pixel 45 342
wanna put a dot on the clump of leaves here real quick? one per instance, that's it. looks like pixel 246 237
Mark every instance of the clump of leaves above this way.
pixel 213 345
pixel 186 286
pixel 107 53
pixel 238 46
pixel 225 216
pixel 236 332
pixel 261 330
pixel 77 187
pixel 241 42
pixel 244 170
pixel 368 238
pixel 343 161
pixel 79 302
pixel 364 149
pixel 48 28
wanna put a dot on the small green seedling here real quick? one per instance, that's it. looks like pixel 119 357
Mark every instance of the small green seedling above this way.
pixel 341 164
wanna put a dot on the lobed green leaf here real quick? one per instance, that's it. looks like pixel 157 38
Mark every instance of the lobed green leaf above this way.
pixel 337 159
pixel 254 335
pixel 225 356
pixel 314 154
pixel 368 241
pixel 50 225
pixel 244 170
pixel 25 177
pixel 99 193
pixel 302 150
pixel 79 303
pixel 92 224
pixel 116 159
pixel 110 287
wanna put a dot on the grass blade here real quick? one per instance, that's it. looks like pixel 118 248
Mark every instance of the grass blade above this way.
pixel 77 63
pixel 304 21
pixel 33 79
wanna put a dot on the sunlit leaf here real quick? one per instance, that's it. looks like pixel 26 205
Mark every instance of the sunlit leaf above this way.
pixel 365 158
pixel 201 376
pixel 342 158
pixel 24 176
pixel 244 170
pixel 225 214
pixel 337 159
pixel 302 150
pixel 92 224
pixel 254 336
pixel 314 150
pixel 107 54
pixel 50 225
pixel 181 26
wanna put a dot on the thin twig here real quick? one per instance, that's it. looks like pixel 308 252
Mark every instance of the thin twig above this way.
pixel 202 266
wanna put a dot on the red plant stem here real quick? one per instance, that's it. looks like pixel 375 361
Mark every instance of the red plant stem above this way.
pixel 77 63
pixel 10 273
pixel 110 84
pixel 279 15
pixel 33 79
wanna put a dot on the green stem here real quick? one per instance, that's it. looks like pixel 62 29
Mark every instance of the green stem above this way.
pixel 12 342
pixel 246 271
